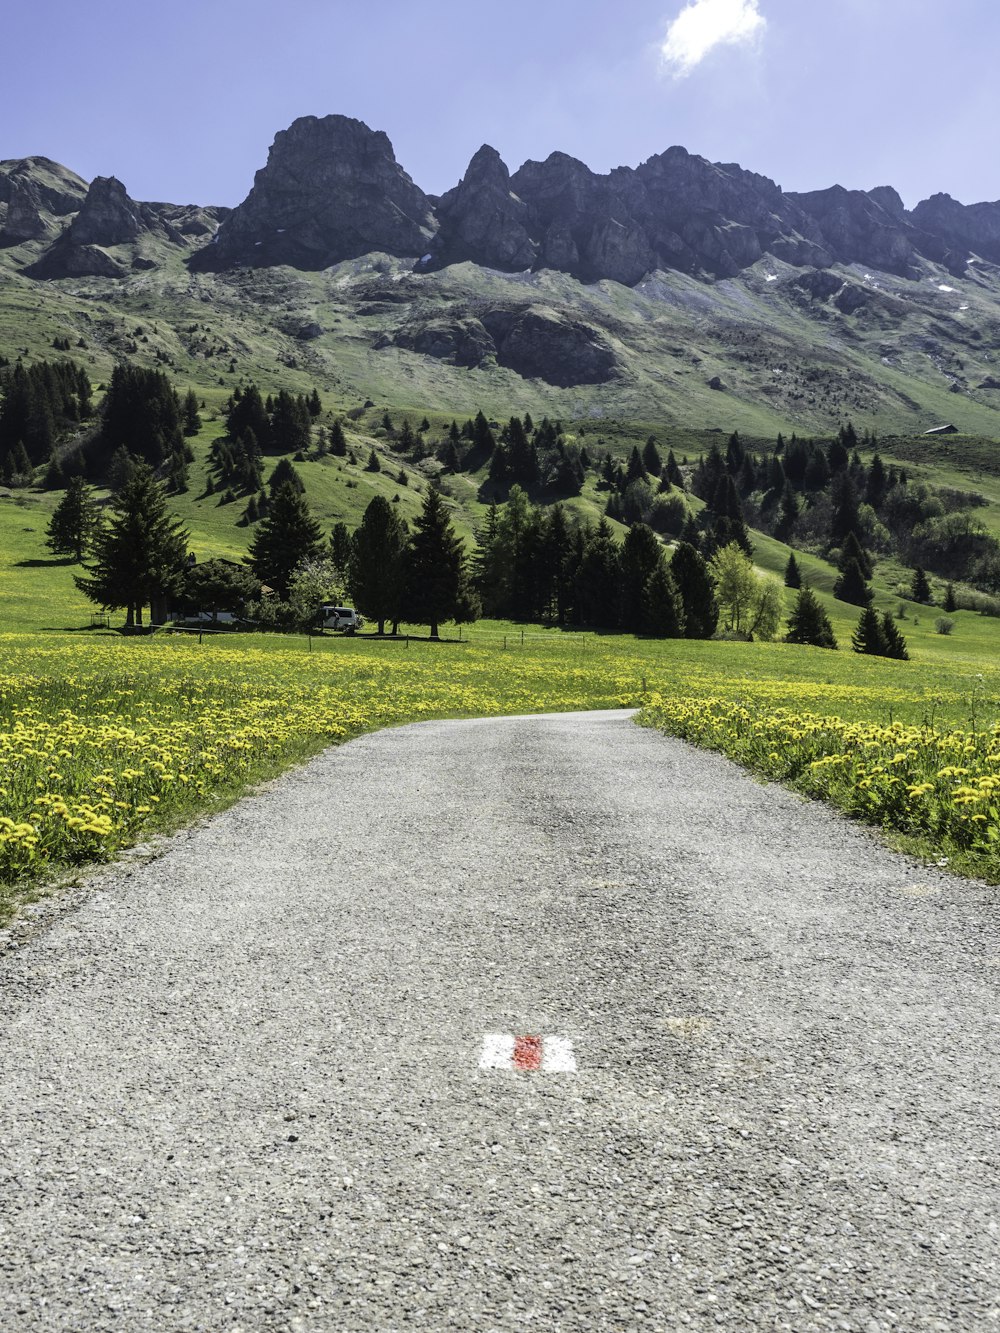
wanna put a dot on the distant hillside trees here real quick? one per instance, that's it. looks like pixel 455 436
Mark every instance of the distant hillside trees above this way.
pixel 280 424
pixel 139 556
pixel 39 406
pixel 142 413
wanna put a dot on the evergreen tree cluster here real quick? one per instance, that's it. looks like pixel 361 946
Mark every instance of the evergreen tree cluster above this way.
pixel 646 489
pixel 40 405
pixel 142 418
pixel 279 424
pixel 540 564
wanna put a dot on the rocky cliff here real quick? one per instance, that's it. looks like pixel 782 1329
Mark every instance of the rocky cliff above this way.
pixel 331 190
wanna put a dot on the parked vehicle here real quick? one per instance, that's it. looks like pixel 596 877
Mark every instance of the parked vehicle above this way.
pixel 343 619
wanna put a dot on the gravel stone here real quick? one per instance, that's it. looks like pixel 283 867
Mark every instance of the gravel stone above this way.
pixel 240 1078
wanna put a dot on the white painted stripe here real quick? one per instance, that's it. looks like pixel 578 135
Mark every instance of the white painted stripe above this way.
pixel 498 1051
pixel 557 1055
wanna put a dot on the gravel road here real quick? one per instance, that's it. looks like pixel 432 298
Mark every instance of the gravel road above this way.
pixel 242 1085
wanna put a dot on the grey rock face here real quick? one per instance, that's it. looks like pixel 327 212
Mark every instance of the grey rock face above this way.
pixel 858 229
pixel 331 190
pixel 537 343
pixel 482 220
pixel 963 227
pixel 108 215
pixel 24 220
pixel 60 191
pixel 462 341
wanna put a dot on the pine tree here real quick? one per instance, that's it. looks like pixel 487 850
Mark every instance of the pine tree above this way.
pixel 190 414
pixel 376 576
pixel 338 441
pixel 373 464
pixel 793 576
pixel 284 538
pixel 641 556
pixel 651 460
pixel 636 470
pixel 690 573
pixel 437 566
pixel 284 474
pixel 809 623
pixel 950 603
pixel 139 557
pixel 662 605
pixel 869 637
pixel 74 521
pixel 920 588
pixel 314 403
pixel 852 586
pixel 340 549
pixel 598 579
pixel 853 550
pixel 674 474
pixel 895 644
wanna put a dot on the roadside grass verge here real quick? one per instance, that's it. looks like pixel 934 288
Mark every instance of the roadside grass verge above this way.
pixel 105 740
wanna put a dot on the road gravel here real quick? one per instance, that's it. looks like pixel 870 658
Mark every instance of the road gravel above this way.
pixel 241 1085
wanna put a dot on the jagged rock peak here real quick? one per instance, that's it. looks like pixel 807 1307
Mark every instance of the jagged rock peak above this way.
pixel 888 199
pixel 24 220
pixel 108 215
pixel 481 220
pixel 331 190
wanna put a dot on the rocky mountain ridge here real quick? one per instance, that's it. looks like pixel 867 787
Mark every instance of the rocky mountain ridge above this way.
pixel 332 190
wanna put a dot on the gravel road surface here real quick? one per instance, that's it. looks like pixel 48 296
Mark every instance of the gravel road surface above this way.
pixel 241 1082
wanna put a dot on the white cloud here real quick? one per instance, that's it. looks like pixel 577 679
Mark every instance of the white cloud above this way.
pixel 705 24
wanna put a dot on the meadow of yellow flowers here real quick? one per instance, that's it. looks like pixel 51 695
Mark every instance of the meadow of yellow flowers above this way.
pixel 104 739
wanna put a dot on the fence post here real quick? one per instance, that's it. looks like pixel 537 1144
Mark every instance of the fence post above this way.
pixel 505 642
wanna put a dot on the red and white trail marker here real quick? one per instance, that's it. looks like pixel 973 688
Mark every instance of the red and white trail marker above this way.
pixel 551 1055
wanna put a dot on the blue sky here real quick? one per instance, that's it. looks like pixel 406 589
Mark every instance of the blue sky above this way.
pixel 182 100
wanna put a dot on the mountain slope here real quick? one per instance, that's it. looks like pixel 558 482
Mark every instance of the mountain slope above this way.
pixel 680 290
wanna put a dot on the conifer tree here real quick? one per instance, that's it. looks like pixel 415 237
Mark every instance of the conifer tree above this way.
pixel 853 550
pixel 895 644
pixel 340 548
pixel 641 556
pixel 662 606
pixel 809 623
pixel 338 441
pixel 674 474
pixel 793 576
pixel 920 588
pixel 373 464
pixel 651 460
pixel 852 586
pixel 139 556
pixel 690 574
pixel 74 521
pixel 283 539
pixel 869 637
pixel 950 604
pixel 437 566
pixel 598 579
pixel 376 574
pixel 191 416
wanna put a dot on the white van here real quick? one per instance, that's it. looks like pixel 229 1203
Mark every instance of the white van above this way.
pixel 343 618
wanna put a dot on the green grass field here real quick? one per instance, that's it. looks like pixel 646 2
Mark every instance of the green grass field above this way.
pixel 104 740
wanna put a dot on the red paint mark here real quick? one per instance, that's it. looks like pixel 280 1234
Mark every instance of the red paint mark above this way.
pixel 528 1053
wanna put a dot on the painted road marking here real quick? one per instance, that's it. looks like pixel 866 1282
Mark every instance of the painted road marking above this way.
pixel 551 1055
